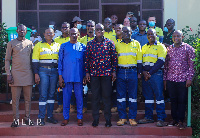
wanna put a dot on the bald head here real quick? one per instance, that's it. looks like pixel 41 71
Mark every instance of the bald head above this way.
pixel 178 32
pixel 177 38
pixel 152 30
pixel 73 34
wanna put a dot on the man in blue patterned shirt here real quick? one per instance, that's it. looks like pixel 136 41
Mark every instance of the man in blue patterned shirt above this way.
pixel 100 67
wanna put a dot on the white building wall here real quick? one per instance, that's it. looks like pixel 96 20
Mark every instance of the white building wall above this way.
pixel 9 12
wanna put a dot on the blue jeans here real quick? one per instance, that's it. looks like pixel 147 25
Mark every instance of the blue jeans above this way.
pixel 47 88
pixel 67 93
pixel 127 80
pixel 154 86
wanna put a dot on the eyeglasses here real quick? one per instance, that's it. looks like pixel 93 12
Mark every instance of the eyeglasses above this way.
pixel 90 25
pixel 65 27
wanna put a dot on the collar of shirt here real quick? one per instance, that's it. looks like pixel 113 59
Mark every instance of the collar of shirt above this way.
pixel 136 30
pixel 124 41
pixel 155 43
pixel 102 39
pixel 111 30
pixel 44 41
pixel 179 46
pixel 138 33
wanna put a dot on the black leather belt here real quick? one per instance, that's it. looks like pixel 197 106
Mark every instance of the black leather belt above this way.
pixel 126 67
pixel 49 67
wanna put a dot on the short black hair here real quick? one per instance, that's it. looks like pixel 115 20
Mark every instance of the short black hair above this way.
pixel 152 16
pixel 20 25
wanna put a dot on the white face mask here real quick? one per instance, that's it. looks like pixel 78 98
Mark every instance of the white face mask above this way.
pixel 79 26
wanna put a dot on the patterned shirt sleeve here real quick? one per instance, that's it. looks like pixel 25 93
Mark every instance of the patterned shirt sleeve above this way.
pixel 87 54
pixel 191 56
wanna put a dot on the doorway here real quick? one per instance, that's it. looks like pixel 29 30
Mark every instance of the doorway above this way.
pixel 120 11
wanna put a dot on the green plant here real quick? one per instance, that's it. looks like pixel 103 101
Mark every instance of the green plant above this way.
pixel 192 38
pixel 3 43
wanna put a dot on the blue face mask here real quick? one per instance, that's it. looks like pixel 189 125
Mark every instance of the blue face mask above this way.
pixel 165 29
pixel 152 24
pixel 52 26
pixel 83 26
pixel 79 26
pixel 34 31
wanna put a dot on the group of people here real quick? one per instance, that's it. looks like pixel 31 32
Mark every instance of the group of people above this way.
pixel 125 55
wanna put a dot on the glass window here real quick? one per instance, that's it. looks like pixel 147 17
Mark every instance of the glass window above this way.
pixel 89 4
pixel 90 15
pixel 59 1
pixel 152 4
pixel 119 1
pixel 28 18
pixel 157 14
pixel 27 4
pixel 58 17
pixel 59 7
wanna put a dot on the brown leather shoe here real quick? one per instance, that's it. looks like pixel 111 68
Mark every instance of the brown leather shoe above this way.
pixel 80 122
pixel 64 122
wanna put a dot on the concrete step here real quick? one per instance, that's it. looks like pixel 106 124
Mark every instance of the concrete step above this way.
pixel 35 106
pixel 7 116
pixel 72 130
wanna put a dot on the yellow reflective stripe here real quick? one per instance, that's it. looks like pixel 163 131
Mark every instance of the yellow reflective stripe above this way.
pixel 48 52
pixel 150 55
pixel 35 60
pixel 139 61
pixel 49 61
pixel 127 54
pixel 127 65
pixel 148 63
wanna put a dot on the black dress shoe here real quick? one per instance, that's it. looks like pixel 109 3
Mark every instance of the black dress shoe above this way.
pixel 15 123
pixel 52 120
pixel 29 122
pixel 108 123
pixel 41 123
pixel 95 123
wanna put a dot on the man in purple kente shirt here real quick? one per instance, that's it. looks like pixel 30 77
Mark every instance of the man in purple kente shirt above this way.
pixel 178 74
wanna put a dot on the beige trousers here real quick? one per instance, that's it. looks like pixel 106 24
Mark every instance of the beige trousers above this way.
pixel 16 92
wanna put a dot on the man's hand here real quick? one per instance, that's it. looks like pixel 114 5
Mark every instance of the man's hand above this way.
pixel 188 83
pixel 165 85
pixel 61 81
pixel 113 76
pixel 139 76
pixel 87 76
pixel 10 79
pixel 84 80
pixel 37 79
pixel 145 74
